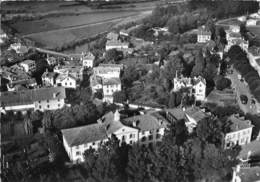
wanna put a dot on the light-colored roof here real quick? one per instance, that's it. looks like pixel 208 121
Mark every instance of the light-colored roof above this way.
pixel 111 81
pixel 146 122
pixel 84 134
pixel 110 66
pixel 239 123
pixel 30 96
pixel 88 55
pixel 28 61
pixel 196 113
pixel 62 77
pixel 198 79
pixel 203 31
pixel 93 132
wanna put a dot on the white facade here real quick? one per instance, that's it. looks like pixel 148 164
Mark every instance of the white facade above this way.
pixel 240 137
pixel 52 104
pixel 67 82
pixel 124 134
pixel 117 46
pixel 28 66
pixel 150 137
pixel 107 72
pixel 203 38
pixel 196 84
pixel 88 60
pixel 111 89
pixel 200 91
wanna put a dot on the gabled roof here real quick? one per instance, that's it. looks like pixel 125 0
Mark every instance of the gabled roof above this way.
pixel 93 132
pixel 62 77
pixel 177 113
pixel 49 74
pixel 203 31
pixel 146 122
pixel 28 61
pixel 30 96
pixel 111 81
pixel 84 134
pixel 199 79
pixel 196 113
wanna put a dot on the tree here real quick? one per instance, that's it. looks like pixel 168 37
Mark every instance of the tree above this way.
pixel 119 96
pixel 172 67
pixel 173 24
pixel 222 83
pixel 114 55
pixel 199 65
pixel 28 126
pixel 47 120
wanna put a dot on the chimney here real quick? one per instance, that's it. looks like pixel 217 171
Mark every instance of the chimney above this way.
pixel 134 123
pixel 116 116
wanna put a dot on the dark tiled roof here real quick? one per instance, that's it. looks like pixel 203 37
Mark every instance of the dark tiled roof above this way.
pixel 253 147
pixel 146 122
pixel 239 123
pixel 196 113
pixel 177 113
pixel 30 96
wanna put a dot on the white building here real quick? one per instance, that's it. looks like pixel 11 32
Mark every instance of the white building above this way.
pixel 19 48
pixel 151 127
pixel 203 35
pixel 234 37
pixel 110 86
pixel 49 78
pixel 51 60
pixel 108 70
pixel 37 99
pixel 196 84
pixel 77 140
pixel 67 81
pixel 116 44
pixel 28 66
pixel 87 60
pixel 191 115
pixel 241 132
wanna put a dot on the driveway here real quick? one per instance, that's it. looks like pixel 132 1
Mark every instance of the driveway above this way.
pixel 241 88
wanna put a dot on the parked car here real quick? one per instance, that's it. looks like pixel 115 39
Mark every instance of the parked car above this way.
pixel 243 99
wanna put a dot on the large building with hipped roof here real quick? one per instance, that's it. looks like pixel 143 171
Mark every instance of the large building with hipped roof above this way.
pixel 77 140
pixel 37 99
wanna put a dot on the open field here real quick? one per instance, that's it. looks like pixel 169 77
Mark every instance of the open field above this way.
pixel 52 23
pixel 52 40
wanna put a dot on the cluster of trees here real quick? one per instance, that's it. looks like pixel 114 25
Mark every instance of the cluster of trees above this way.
pixel 222 82
pixel 178 157
pixel 241 63
pixel 180 18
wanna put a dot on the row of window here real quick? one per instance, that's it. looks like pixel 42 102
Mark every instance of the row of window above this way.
pixel 238 134
pixel 48 106
pixel 48 101
pixel 150 137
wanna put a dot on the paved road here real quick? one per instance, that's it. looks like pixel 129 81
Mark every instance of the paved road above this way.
pixel 241 88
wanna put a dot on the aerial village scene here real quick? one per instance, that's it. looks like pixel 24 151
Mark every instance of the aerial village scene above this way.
pixel 130 91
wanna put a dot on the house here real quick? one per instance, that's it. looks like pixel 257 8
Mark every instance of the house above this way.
pixel 116 44
pixel 124 32
pixel 19 48
pixel 240 132
pixel 197 86
pixel 251 22
pixel 3 36
pixel 49 78
pixel 239 41
pixel 112 36
pixel 110 86
pixel 73 70
pixel 66 80
pixel 51 98
pixel 151 127
pixel 29 66
pixel 108 70
pixel 51 60
pixel 203 35
pixel 87 60
pixel 77 140
pixel 191 115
